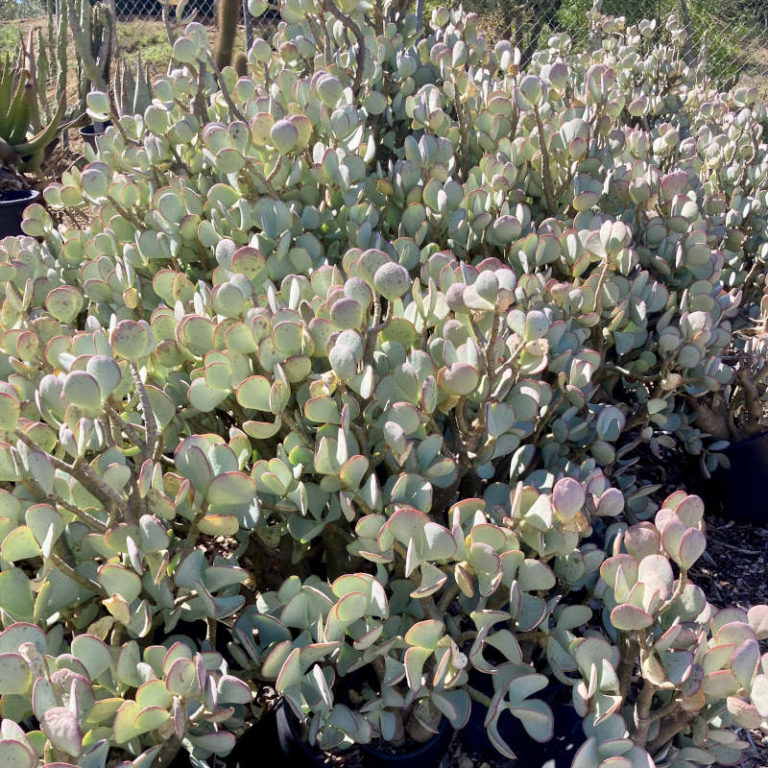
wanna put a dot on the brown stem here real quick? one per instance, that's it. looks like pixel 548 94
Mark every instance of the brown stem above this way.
pixel 72 574
pixel 546 174
pixel 296 429
pixel 120 423
pixel 89 520
pixel 82 472
pixel 358 33
pixel 669 730
pixel 627 664
pixel 642 711
pixel 225 92
pixel 463 131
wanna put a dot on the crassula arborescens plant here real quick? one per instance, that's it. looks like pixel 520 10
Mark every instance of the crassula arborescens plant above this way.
pixel 351 363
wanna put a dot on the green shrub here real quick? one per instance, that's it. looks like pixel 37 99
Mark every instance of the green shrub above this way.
pixel 354 363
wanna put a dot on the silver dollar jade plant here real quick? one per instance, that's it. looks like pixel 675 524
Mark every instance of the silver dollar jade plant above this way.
pixel 346 378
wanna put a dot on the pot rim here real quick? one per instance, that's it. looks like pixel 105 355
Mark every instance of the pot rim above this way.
pixel 747 442
pixel 444 731
pixel 94 129
pixel 19 196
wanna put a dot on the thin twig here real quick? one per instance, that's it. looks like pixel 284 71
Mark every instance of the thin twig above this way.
pixel 225 92
pixel 75 576
pixel 150 422
pixel 358 33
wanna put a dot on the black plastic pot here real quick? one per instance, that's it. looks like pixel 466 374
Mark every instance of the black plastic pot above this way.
pixel 258 744
pixel 740 491
pixel 89 132
pixel 292 744
pixel 557 753
pixel 12 205
pixel 426 755
pixel 295 749
pixel 181 760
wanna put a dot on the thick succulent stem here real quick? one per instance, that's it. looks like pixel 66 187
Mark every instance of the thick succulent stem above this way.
pixel 229 14
pixel 148 450
pixel 642 713
pixel 463 132
pixel 669 729
pixel 546 170
pixel 225 92
pixel 628 648
pixel 170 32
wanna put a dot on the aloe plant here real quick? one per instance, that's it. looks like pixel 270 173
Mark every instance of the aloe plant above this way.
pixel 18 113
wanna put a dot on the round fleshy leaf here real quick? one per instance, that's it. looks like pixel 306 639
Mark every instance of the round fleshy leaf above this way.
pixel 692 546
pixel 93 652
pixel 284 136
pixel 219 525
pixel 391 280
pixel 181 677
pixel 131 340
pixel 13 754
pixel 10 407
pixel 628 618
pixel 568 497
pixel 106 372
pixel 119 580
pixel 330 89
pixel 15 675
pixel 203 398
pixel 254 393
pixel 65 303
pixel 346 313
pixel 343 362
pixel 60 725
pixel 150 719
pixel 124 726
pixel 82 389
pixel 458 379
pixel 231 488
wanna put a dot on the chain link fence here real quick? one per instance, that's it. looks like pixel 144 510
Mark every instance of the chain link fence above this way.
pixel 727 38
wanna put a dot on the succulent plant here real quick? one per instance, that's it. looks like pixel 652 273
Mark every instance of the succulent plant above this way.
pixel 20 144
pixel 131 89
pixel 357 363
pixel 96 698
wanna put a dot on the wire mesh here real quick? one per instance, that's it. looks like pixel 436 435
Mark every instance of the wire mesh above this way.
pixel 727 38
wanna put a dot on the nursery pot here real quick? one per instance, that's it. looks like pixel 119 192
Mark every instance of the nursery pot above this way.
pixel 426 755
pixel 291 740
pixel 740 490
pixel 89 132
pixel 12 205
pixel 258 744
pixel 299 753
pixel 556 753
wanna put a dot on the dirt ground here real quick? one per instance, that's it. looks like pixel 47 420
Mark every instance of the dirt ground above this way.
pixel 734 571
